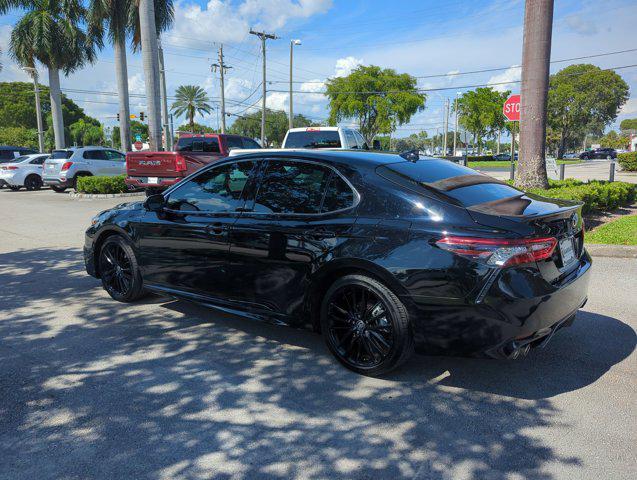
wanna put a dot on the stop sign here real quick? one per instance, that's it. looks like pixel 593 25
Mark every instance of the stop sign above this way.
pixel 511 108
pixel 138 145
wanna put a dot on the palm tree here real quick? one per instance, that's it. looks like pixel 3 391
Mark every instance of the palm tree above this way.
pixel 50 32
pixel 121 18
pixel 152 17
pixel 190 101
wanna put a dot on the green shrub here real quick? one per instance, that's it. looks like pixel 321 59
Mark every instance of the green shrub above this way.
pixel 595 195
pixel 628 161
pixel 102 184
pixel 480 158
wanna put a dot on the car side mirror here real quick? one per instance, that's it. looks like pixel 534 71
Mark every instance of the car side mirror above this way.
pixel 376 145
pixel 155 203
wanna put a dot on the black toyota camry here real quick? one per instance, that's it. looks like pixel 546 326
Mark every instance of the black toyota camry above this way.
pixel 383 255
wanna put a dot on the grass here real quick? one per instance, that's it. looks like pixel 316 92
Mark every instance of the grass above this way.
pixel 506 164
pixel 622 231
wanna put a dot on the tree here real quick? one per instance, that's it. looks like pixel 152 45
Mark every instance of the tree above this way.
pixel 191 100
pixel 196 128
pixel 50 32
pixel 21 136
pixel 136 128
pixel 147 21
pixel 614 140
pixel 628 124
pixel 480 112
pixel 583 99
pixel 276 125
pixel 85 133
pixel 121 19
pixel 378 99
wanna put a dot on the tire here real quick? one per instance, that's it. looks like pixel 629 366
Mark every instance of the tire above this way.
pixel 366 326
pixel 58 189
pixel 33 182
pixel 119 271
pixel 15 188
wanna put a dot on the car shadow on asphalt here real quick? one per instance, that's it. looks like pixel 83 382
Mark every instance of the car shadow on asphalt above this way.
pixel 90 387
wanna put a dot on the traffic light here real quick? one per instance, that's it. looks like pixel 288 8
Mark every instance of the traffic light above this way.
pixel 141 116
pixel 118 117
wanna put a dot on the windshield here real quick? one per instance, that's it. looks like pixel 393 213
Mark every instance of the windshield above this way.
pixel 313 139
pixel 56 154
pixel 464 185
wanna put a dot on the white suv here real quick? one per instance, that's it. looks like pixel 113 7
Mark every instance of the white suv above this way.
pixel 24 171
pixel 63 168
pixel 324 137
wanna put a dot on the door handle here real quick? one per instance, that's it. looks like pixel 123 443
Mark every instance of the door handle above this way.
pixel 216 228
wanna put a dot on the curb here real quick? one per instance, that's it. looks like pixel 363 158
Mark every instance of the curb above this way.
pixel 89 196
pixel 613 251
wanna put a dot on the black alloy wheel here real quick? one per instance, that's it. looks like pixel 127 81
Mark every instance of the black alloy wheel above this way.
pixel 119 270
pixel 33 182
pixel 365 325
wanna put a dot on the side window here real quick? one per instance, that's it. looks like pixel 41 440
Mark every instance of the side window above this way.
pixel 292 187
pixel 216 190
pixel 249 143
pixel 115 156
pixel 94 155
pixel 38 160
pixel 234 142
pixel 338 195
pixel 361 141
pixel 351 139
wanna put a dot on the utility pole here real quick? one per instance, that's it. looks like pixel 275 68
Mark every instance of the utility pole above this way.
pixel 263 36
pixel 168 144
pixel 444 148
pixel 536 56
pixel 38 110
pixel 455 129
pixel 222 70
pixel 292 43
pixel 150 61
pixel 172 130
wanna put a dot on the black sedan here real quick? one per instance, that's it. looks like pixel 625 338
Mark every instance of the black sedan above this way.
pixel 600 153
pixel 382 254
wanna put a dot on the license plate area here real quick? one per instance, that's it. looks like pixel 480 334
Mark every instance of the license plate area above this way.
pixel 153 180
pixel 567 252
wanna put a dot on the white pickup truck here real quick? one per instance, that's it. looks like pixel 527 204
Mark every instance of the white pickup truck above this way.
pixel 324 137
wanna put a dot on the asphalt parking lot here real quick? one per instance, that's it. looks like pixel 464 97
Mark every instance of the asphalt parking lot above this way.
pixel 90 388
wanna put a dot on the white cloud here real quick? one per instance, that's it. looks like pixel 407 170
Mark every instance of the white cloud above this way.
pixel 504 81
pixel 344 66
pixel 629 108
pixel 223 21
pixel 277 101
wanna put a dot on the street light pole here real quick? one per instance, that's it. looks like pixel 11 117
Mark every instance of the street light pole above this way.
pixel 444 148
pixel 38 109
pixel 263 36
pixel 455 129
pixel 164 99
pixel 292 43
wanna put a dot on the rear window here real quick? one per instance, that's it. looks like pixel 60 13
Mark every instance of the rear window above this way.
pixel 464 185
pixel 313 139
pixel 56 154
pixel 6 156
pixel 198 144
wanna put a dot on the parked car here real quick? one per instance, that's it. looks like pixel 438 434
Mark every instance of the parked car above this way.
pixel 65 166
pixel 607 153
pixel 155 171
pixel 10 153
pixel 324 137
pixel 381 254
pixel 506 157
pixel 570 155
pixel 24 171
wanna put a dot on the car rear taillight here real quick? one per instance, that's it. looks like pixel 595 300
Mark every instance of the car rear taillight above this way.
pixel 180 164
pixel 500 252
pixel 66 166
pixel 10 167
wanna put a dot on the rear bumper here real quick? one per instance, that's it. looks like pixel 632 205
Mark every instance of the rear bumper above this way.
pixel 56 182
pixel 135 183
pixel 517 307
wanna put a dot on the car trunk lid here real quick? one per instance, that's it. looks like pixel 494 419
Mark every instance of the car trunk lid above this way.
pixel 53 164
pixel 156 164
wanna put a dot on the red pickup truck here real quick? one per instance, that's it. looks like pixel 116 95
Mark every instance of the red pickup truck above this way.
pixel 157 171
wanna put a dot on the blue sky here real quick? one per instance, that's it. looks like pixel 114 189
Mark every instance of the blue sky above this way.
pixel 423 38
